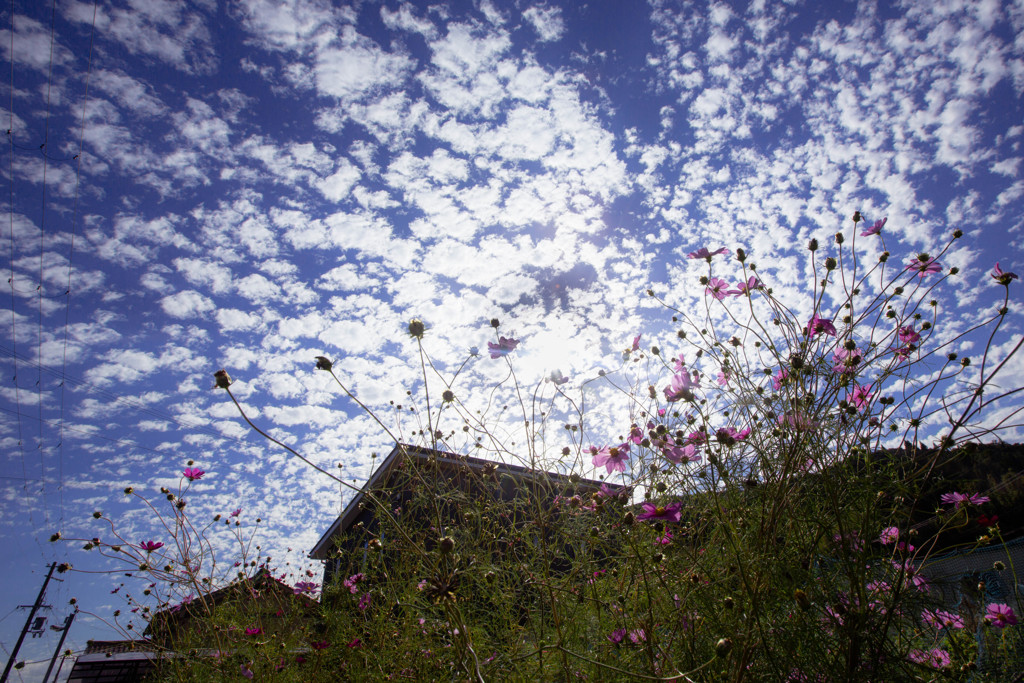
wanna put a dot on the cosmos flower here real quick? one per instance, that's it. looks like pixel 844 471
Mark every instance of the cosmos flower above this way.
pixel 236 512
pixel 923 264
pixel 889 535
pixel 719 289
pixel 908 335
pixel 797 421
pixel 706 255
pixel 246 671
pixel 680 388
pixel 874 229
pixel 504 347
pixel 780 378
pixel 193 473
pixel 676 452
pixel 364 602
pixel 350 582
pixel 617 635
pixel 1001 277
pixel 845 361
pixel 150 546
pixel 730 435
pixel 557 378
pixel 958 499
pixel 750 286
pixel 636 340
pixel 305 587
pixel 935 658
pixel 1000 615
pixel 253 631
pixel 613 458
pixel 820 326
pixel 861 396
pixel 942 619
pixel 667 513
pixel 319 644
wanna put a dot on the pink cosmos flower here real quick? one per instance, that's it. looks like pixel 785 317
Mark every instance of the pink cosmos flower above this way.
pixel 861 396
pixel 780 378
pixel 889 535
pixel 958 499
pixel 820 326
pixel 636 342
pixel 1001 277
pixel 504 347
pixel 1000 615
pixel 681 386
pixel 193 473
pixel 150 546
pixel 319 644
pixel 923 264
pixel 253 631
pixel 797 421
pixel 638 636
pixel 617 635
pixel 908 335
pixel 354 643
pixel 246 671
pixel 664 540
pixel 236 512
pixel 698 437
pixel 845 361
pixel 723 378
pixel 364 602
pixel 935 658
pixel 305 587
pixel 730 435
pixel 874 229
pixel 719 289
pixel 706 255
pixel 636 435
pixel 677 452
pixel 942 619
pixel 557 378
pixel 613 458
pixel 750 286
pixel 667 513
pixel 351 582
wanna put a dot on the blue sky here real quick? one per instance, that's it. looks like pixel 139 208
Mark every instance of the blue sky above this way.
pixel 197 185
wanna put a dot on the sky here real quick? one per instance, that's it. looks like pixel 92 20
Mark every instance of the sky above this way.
pixel 247 185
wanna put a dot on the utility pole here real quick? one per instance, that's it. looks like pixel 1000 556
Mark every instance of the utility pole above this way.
pixel 64 634
pixel 32 613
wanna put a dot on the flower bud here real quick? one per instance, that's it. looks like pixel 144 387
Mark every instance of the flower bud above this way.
pixel 416 328
pixel 801 599
pixel 222 379
pixel 830 263
pixel 813 245
pixel 857 217
pixel 446 544
pixel 839 238
pixel 741 255
pixel 723 647
pixel 323 363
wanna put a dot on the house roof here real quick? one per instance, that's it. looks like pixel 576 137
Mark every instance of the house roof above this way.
pixel 444 460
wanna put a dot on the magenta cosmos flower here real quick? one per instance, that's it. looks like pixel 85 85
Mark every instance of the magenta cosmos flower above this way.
pixel 150 546
pixel 681 387
pixel 1001 277
pixel 908 335
pixel 504 347
pixel 706 255
pixel 719 289
pixel 923 265
pixel 749 286
pixel 958 499
pixel 889 535
pixel 874 229
pixel 613 458
pixel 193 473
pixel 667 513
pixel 820 326
pixel 1000 615
pixel 861 396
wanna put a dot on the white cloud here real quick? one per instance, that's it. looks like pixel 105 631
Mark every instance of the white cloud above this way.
pixel 186 304
pixel 546 21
